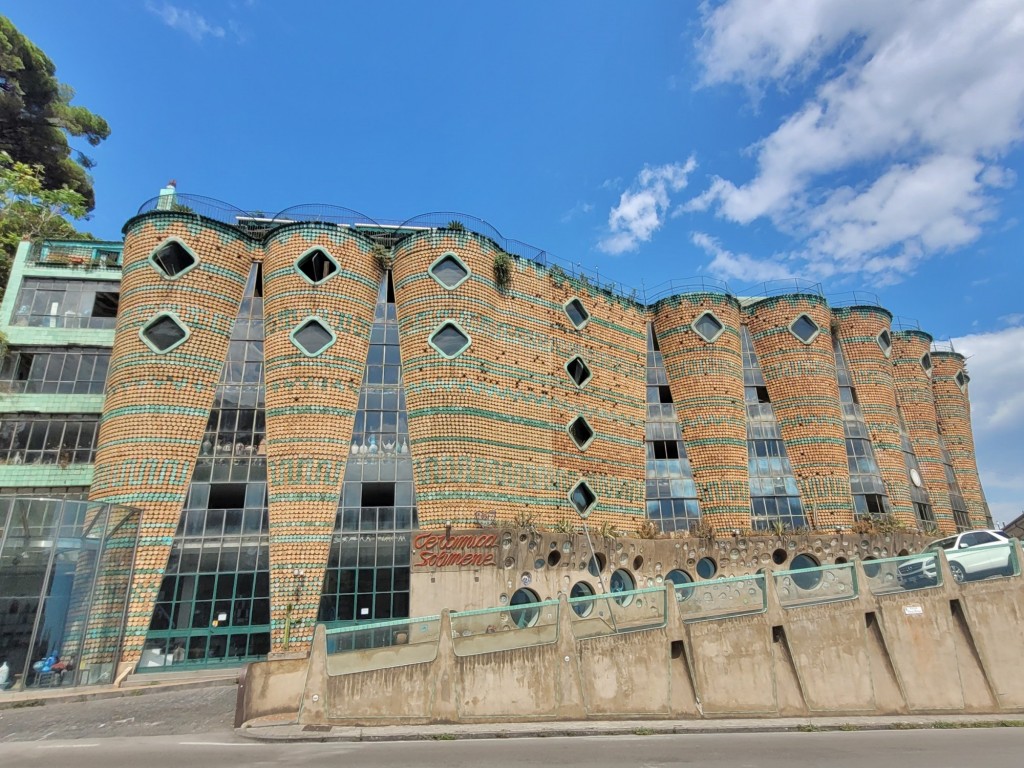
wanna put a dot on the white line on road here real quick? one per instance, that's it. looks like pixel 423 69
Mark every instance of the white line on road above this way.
pixel 218 743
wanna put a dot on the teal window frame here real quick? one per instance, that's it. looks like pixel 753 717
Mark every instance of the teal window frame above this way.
pixel 590 371
pixel 586 320
pixel 330 258
pixel 817 331
pixel 153 263
pixel 590 507
pixel 441 352
pixel 174 316
pixel 586 444
pixel 442 257
pixel 302 324
pixel 708 313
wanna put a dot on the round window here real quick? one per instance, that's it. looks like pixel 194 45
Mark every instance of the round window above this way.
pixel 707 567
pixel 679 578
pixel 582 589
pixel 620 582
pixel 521 608
pixel 871 570
pixel 811 578
pixel 596 565
pixel 915 477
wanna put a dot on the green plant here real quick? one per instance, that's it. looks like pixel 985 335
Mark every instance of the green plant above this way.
pixel 608 531
pixel 643 731
pixel 444 737
pixel 779 527
pixel 525 520
pixel 564 526
pixel 383 257
pixel 456 226
pixel 557 274
pixel 181 208
pixel 808 728
pixel 502 269
pixel 703 530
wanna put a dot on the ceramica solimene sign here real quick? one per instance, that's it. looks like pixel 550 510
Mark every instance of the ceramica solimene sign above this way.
pixel 454 550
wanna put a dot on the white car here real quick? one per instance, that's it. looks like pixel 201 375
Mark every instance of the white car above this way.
pixel 972 555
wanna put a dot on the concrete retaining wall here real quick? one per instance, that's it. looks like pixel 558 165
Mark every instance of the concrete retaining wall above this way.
pixel 951 648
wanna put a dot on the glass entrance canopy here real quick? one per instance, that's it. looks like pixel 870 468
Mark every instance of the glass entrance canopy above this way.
pixel 65 570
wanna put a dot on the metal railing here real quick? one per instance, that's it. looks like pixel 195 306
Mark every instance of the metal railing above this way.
pixel 814 586
pixel 631 611
pixel 722 598
pixel 902 574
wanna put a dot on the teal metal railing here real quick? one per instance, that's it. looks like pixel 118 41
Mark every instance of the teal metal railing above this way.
pixel 722 598
pixel 814 586
pixel 631 611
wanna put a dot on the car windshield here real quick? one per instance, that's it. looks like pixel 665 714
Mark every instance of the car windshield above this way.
pixel 942 544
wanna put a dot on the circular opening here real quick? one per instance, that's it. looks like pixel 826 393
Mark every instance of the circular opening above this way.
pixel 840 560
pixel 638 562
pixel 779 556
pixel 582 589
pixel 870 569
pixel 596 564
pixel 903 553
pixel 707 567
pixel 522 537
pixel 622 581
pixel 538 563
pixel 808 580
pixel 679 578
pixel 554 556
pixel 524 616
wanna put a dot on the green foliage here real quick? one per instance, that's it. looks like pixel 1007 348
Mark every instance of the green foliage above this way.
pixel 383 257
pixel 502 269
pixel 456 226
pixel 37 117
pixel 29 210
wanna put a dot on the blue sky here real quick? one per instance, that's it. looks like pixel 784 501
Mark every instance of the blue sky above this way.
pixel 872 146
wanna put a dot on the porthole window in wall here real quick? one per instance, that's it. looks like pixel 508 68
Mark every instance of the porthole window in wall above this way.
pixel 807 576
pixel 316 265
pixel 450 340
pixel 708 327
pixel 621 581
pixel 707 568
pixel 164 332
pixel 172 258
pixel 577 313
pixel 679 578
pixel 804 328
pixel 521 608
pixel 596 564
pixel 582 589
pixel 582 498
pixel 450 271
pixel 313 336
pixel 885 342
pixel 581 432
pixel 578 371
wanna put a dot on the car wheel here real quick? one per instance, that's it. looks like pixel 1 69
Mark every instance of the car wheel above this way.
pixel 959 574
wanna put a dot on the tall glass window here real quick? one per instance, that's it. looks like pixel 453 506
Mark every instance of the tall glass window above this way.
pixel 961 516
pixel 72 371
pixel 213 606
pixel 918 493
pixel 774 495
pixel 368 571
pixel 869 496
pixel 48 303
pixel 671 493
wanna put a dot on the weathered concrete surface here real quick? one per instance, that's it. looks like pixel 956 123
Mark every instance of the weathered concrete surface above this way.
pixel 949 649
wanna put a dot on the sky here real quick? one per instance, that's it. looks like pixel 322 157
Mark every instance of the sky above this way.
pixel 870 147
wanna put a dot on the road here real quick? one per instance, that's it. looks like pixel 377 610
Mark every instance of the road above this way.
pixel 989 748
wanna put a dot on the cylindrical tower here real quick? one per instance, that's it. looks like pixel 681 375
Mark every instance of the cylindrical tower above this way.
pixel 699 334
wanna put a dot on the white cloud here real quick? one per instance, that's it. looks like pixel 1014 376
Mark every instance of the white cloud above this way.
pixel 582 208
pixel 996 365
pixel 184 20
pixel 916 99
pixel 727 265
pixel 642 208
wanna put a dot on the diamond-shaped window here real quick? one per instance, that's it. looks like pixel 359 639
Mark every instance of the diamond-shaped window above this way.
pixel 164 332
pixel 579 371
pixel 172 258
pixel 708 327
pixel 926 363
pixel 577 313
pixel 449 271
pixel 962 379
pixel 313 336
pixel 805 329
pixel 450 340
pixel 316 265
pixel 885 342
pixel 581 432
pixel 582 498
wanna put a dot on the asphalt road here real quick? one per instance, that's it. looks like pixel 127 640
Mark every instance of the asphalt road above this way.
pixel 986 748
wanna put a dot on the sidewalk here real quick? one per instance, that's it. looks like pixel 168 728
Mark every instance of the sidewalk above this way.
pixel 272 729
pixel 136 685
